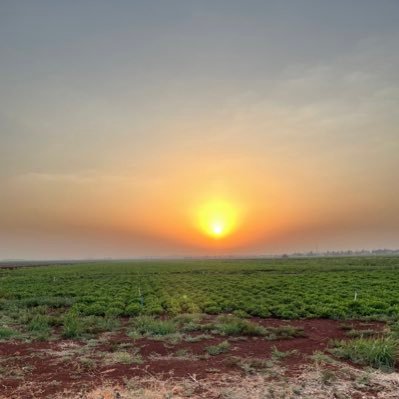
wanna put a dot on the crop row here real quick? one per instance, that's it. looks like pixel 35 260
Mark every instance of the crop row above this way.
pixel 338 288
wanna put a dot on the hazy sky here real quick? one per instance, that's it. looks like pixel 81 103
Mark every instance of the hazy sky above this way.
pixel 119 119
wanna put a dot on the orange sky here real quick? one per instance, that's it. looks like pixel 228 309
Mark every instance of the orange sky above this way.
pixel 115 135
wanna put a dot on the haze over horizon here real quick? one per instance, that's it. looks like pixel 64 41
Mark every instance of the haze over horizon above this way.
pixel 124 125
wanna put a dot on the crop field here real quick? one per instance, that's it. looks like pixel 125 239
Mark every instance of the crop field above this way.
pixel 336 288
pixel 189 319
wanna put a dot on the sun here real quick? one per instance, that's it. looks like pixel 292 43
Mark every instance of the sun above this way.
pixel 217 218
pixel 217 229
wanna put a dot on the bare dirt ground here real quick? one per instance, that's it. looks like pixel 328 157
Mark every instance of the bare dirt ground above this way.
pixel 117 366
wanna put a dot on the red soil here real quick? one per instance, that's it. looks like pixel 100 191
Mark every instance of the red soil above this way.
pixel 34 370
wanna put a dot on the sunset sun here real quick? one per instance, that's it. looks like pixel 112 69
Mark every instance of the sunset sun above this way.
pixel 217 229
pixel 217 219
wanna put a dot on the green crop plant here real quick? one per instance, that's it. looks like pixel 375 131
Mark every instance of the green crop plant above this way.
pixel 279 288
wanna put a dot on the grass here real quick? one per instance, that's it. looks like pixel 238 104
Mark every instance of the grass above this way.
pixel 150 326
pixel 234 326
pixel 394 330
pixel 169 339
pixel 360 333
pixel 230 325
pixel 379 353
pixel 75 326
pixel 98 324
pixel 218 349
pixel 278 355
pixel 72 327
pixel 327 376
pixel 250 365
pixel 187 318
pixel 39 327
pixel 322 358
pixel 197 338
pixel 189 322
pixel 7 333
pixel 346 326
pixel 87 364
pixel 123 357
pixel 309 384
pixel 285 332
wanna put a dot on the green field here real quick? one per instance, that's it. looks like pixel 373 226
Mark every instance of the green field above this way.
pixel 39 300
